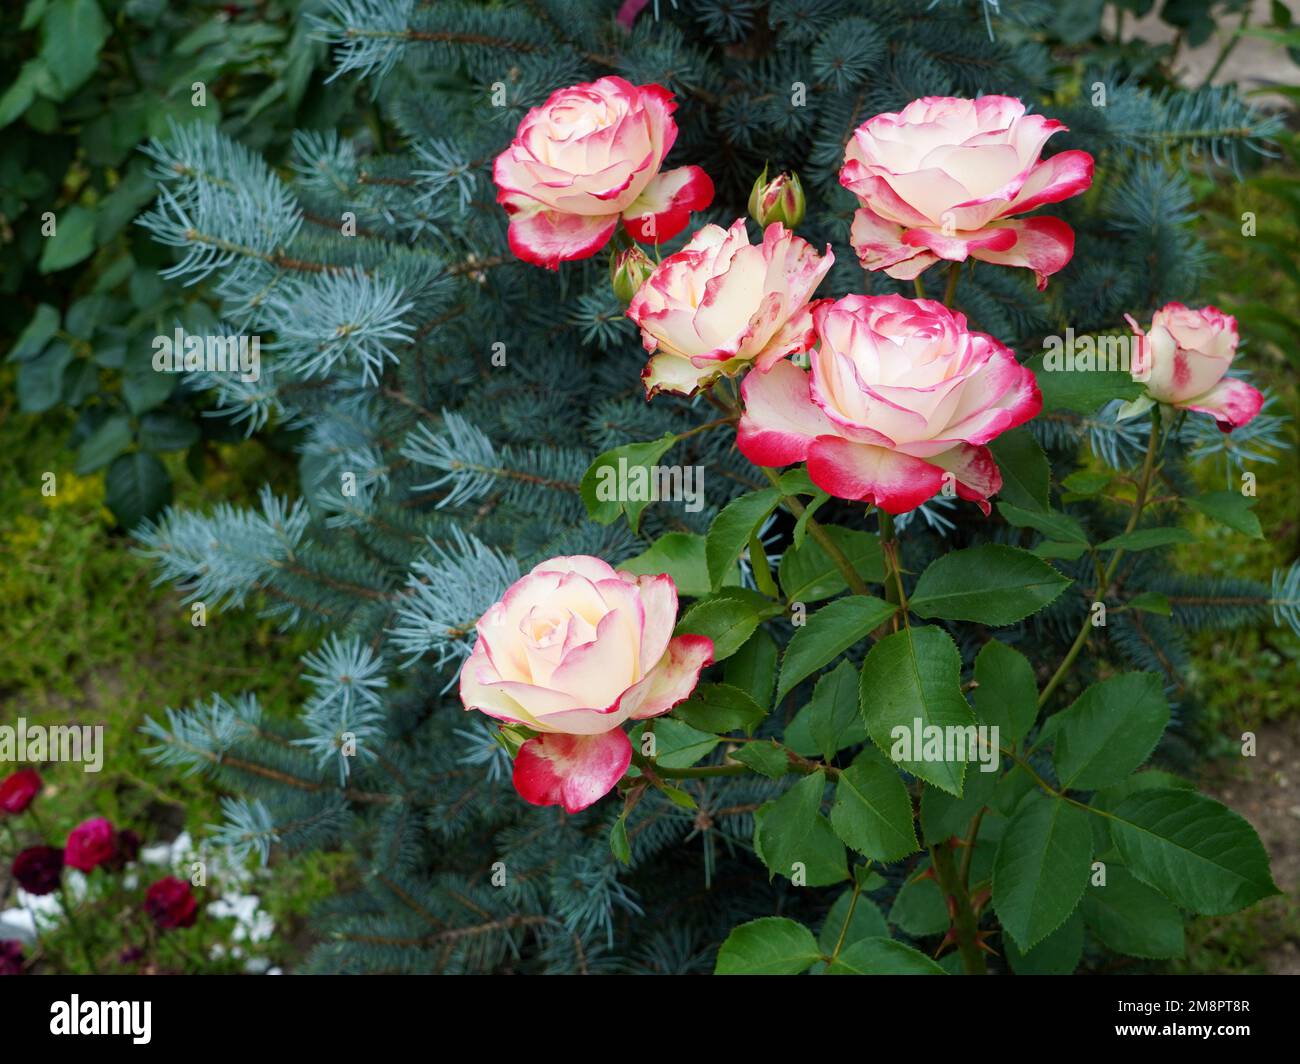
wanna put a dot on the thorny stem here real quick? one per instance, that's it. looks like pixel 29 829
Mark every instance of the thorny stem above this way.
pixel 965 924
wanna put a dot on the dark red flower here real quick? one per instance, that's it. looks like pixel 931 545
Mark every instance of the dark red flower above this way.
pixel 126 847
pixel 170 904
pixel 91 843
pixel 18 789
pixel 11 957
pixel 38 869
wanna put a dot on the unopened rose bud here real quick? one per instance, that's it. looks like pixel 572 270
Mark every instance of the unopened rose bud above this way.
pixel 779 200
pixel 628 270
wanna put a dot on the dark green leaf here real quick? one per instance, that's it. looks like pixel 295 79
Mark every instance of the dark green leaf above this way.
pixel 1109 730
pixel 911 681
pixel 807 573
pixel 1198 853
pixel 137 487
pixel 772 945
pixel 882 956
pixel 719 708
pixel 730 530
pixel 873 811
pixel 827 634
pixel 1041 868
pixel 989 584
pixel 1005 692
pixel 1026 476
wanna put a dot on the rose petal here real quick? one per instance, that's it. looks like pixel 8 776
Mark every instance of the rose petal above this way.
pixel 894 481
pixel 547 238
pixel 1231 403
pixel 957 246
pixel 1052 180
pixel 1043 244
pixel 976 473
pixel 664 206
pixel 780 420
pixel 571 770
pixel 674 678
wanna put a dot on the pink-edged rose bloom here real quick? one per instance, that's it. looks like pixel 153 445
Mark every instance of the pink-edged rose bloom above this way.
pixel 1183 360
pixel 942 178
pixel 590 155
pixel 574 649
pixel 722 303
pixel 900 400
pixel 90 844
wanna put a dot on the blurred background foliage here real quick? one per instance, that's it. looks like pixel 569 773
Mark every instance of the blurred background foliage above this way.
pixel 86 639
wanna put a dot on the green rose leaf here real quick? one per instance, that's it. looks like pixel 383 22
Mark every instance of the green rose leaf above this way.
pixel 730 530
pixel 911 681
pixel 882 956
pixel 720 708
pixel 1005 693
pixel 827 634
pixel 1198 853
pixel 989 584
pixel 728 617
pixel 1041 868
pixel 1229 508
pixel 873 811
pixel 1026 475
pixel 1129 917
pixel 772 945
pixel 622 481
pixel 807 573
pixel 1109 731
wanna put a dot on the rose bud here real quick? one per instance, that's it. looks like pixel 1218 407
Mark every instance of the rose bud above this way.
pixel 18 789
pixel 91 843
pixel 779 200
pixel 170 904
pixel 573 650
pixel 1183 360
pixel 38 869
pixel 628 270
pixel 11 957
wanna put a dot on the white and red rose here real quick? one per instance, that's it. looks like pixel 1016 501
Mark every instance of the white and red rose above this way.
pixel 722 303
pixel 899 402
pixel 1183 358
pixel 588 157
pixel 943 178
pixel 573 650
